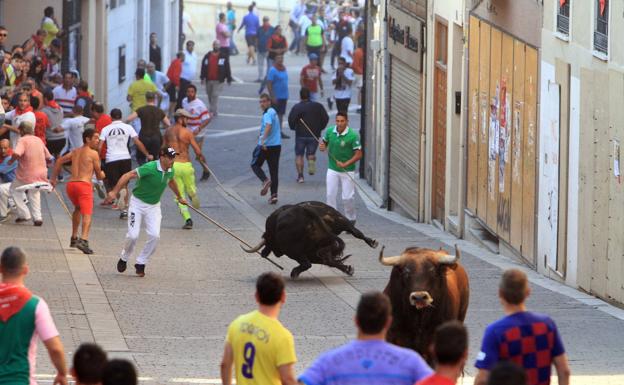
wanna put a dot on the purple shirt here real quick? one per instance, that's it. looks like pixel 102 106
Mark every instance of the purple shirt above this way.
pixel 367 362
pixel 251 23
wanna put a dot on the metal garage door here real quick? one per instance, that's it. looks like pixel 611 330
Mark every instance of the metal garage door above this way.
pixel 405 105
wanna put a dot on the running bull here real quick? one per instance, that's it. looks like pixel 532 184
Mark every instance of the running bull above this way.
pixel 426 288
pixel 307 232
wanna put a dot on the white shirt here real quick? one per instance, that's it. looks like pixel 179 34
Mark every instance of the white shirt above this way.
pixel 65 98
pixel 159 79
pixel 304 23
pixel 74 127
pixel 16 120
pixel 200 113
pixel 345 91
pixel 117 135
pixel 346 49
pixel 189 66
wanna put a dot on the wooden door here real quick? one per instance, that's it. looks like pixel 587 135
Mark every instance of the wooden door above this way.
pixel 439 123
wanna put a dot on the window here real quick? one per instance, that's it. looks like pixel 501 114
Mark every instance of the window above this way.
pixel 601 27
pixel 113 4
pixel 122 64
pixel 563 17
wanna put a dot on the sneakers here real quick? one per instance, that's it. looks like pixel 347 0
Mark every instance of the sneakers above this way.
pixel 273 199
pixel 284 136
pixel 300 179
pixel 330 103
pixel 205 175
pixel 121 265
pixel 311 166
pixel 265 187
pixel 73 242
pixel 140 270
pixel 38 223
pixel 83 245
pixel 123 214
pixel 188 224
pixel 99 188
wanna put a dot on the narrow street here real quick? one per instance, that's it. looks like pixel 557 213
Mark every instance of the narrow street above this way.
pixel 172 322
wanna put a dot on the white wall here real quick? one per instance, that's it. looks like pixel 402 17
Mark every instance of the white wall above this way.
pixel 121 31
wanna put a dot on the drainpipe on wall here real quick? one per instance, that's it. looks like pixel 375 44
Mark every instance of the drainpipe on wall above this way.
pixel 364 161
pixel 383 97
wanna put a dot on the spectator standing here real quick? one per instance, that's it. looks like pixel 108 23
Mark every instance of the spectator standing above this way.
pixel 295 14
pixel 277 45
pixel 189 70
pixel 173 73
pixel 277 85
pixel 23 113
pixel 264 34
pixel 231 24
pixel 526 338
pixel 224 34
pixel 369 359
pixel 119 372
pixel 215 70
pixel 4 33
pixel 151 117
pixel 137 91
pixel 315 116
pixel 358 70
pixel 310 77
pixel 118 161
pixel 84 98
pixel 180 139
pixel 74 127
pixel 160 80
pixel 200 118
pixel 251 23
pixel 155 55
pixel 55 138
pixel 343 145
pixel 85 162
pixel 342 80
pixel 268 149
pixel 7 175
pixel 101 119
pixel 256 358
pixel 32 156
pixel 26 319
pixel 89 362
pixel 50 25
pixel 450 349
pixel 315 37
pixel 152 179
pixel 347 48
pixel 42 124
pixel 66 94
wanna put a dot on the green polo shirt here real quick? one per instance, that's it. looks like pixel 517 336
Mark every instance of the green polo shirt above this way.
pixel 152 182
pixel 341 147
pixel 15 336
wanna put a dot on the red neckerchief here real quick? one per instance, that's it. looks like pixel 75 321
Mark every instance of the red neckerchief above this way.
pixel 85 94
pixel 8 155
pixel 54 104
pixel 12 299
pixel 18 111
pixel 280 67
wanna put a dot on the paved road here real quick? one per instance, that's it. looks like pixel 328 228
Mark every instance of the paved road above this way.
pixel 172 322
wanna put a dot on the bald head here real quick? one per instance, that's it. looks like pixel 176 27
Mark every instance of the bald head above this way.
pixel 514 286
pixel 12 262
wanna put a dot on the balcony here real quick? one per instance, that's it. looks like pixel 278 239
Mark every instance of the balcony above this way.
pixel 563 24
pixel 601 42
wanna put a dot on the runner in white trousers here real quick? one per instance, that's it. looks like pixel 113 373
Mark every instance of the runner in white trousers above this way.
pixel 152 179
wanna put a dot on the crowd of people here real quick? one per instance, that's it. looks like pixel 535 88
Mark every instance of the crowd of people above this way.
pixel 518 349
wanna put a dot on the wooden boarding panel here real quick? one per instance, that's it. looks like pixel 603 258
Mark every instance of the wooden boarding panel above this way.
pixel 493 128
pixel 515 238
pixel 484 112
pixel 505 113
pixel 602 169
pixel 586 180
pixel 531 86
pixel 615 262
pixel 473 111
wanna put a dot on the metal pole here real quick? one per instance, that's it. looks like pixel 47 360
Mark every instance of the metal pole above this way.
pixel 205 165
pixel 60 198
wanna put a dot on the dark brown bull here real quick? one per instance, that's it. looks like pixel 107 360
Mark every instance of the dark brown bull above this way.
pixel 426 288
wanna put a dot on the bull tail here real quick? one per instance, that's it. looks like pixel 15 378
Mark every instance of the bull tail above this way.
pixel 256 248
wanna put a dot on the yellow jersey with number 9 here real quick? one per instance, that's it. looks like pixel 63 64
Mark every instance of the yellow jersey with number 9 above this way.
pixel 260 345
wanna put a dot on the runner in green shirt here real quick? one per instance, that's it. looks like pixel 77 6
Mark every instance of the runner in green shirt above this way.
pixel 344 151
pixel 152 179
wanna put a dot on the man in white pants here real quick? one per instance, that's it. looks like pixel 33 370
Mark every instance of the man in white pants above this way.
pixel 152 179
pixel 345 150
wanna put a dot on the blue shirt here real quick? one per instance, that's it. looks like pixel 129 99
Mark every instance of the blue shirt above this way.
pixel 275 137
pixel 7 172
pixel 263 38
pixel 367 362
pixel 529 339
pixel 251 23
pixel 279 82
pixel 230 16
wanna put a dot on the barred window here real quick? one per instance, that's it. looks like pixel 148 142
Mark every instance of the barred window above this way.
pixel 563 16
pixel 601 27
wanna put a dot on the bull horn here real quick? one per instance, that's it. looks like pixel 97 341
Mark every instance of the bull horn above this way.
pixel 256 248
pixel 389 261
pixel 450 259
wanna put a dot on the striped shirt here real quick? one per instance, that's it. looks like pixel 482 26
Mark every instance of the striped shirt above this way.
pixel 200 113
pixel 65 98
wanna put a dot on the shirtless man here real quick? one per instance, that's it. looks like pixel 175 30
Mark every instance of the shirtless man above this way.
pixel 180 138
pixel 84 162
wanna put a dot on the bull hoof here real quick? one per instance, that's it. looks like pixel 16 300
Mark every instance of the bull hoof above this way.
pixel 349 270
pixel 373 243
pixel 294 274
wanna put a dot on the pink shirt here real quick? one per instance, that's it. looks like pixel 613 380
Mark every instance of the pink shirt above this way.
pixel 44 330
pixel 32 155
pixel 222 31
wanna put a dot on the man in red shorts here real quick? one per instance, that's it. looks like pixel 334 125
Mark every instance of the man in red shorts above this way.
pixel 84 162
